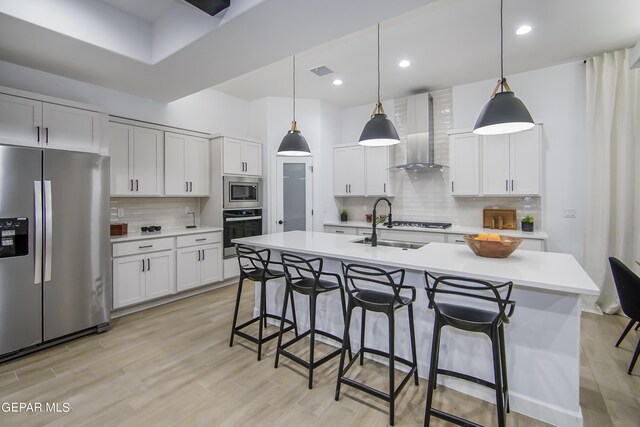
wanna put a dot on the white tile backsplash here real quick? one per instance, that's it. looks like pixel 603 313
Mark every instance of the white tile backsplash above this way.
pixel 424 196
pixel 166 212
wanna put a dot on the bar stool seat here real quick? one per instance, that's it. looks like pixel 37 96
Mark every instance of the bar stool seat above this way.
pixel 255 265
pixel 382 302
pixel 462 315
pixel 305 276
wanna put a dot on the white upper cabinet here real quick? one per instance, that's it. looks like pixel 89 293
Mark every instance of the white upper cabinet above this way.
pixel 137 160
pixel 29 122
pixel 68 128
pixel 511 163
pixel 20 121
pixel 186 165
pixel 242 157
pixel 464 161
pixel 377 171
pixel 348 171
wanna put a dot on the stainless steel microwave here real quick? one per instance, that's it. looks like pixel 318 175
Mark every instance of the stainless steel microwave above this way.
pixel 242 192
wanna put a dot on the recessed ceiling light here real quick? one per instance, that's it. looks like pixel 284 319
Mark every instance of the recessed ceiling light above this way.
pixel 524 29
pixel 404 63
pixel 337 82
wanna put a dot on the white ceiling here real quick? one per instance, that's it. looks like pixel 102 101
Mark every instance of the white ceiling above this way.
pixel 449 42
pixel 167 49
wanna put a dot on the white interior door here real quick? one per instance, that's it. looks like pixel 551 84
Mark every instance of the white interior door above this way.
pixel 294 207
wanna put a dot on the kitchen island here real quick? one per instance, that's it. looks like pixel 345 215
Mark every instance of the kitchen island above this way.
pixel 542 338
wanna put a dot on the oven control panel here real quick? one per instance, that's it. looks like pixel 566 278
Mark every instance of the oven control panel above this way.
pixel 14 237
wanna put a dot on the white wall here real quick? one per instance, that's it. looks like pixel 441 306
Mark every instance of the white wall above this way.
pixel 555 96
pixel 206 111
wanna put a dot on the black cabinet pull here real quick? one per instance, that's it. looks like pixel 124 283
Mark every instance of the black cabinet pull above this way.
pixel 186 189
pixel 191 186
pixel 384 188
pixel 137 188
pixel 144 247
pixel 38 127
pixel 143 266
pixel 131 184
pixel 148 264
pixel 46 132
pixel 201 240
pixel 452 186
pixel 511 185
pixel 506 185
pixel 198 255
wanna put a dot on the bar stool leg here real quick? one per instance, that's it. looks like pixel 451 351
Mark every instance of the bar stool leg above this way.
pixel 235 313
pixel 503 363
pixel 312 335
pixel 345 342
pixel 497 370
pixel 433 367
pixel 263 310
pixel 413 343
pixel 626 331
pixel 280 333
pixel 344 316
pixel 363 326
pixel 392 359
pixel 293 315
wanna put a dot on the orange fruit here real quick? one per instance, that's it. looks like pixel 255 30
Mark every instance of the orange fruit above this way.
pixel 493 237
pixel 483 236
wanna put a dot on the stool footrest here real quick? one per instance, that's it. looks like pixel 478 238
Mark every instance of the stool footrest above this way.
pixel 365 388
pixel 466 377
pixel 306 363
pixel 453 419
pixel 238 329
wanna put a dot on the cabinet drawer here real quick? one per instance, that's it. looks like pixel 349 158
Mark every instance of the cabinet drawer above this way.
pixel 532 245
pixel 364 231
pixel 198 239
pixel 456 238
pixel 339 230
pixel 142 246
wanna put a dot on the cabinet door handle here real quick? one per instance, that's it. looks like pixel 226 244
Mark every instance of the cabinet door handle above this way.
pixel 137 188
pixel 459 241
pixel 384 188
pixel 339 231
pixel 190 186
pixel 203 254
pixel 201 240
pixel 511 185
pixel 148 264
pixel 143 270
pixel 506 185
pixel 198 255
pixel 186 189
pixel 452 186
pixel 131 184
pixel 38 127
pixel 145 246
pixel 349 188
pixel 46 133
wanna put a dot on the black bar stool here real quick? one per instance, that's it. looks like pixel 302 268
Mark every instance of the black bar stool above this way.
pixel 381 302
pixel 306 277
pixel 475 306
pixel 255 265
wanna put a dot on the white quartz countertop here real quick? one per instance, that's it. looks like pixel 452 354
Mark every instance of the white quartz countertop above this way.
pixel 169 232
pixel 454 229
pixel 540 270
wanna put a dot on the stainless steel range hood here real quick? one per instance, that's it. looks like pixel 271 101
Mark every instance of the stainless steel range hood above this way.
pixel 419 135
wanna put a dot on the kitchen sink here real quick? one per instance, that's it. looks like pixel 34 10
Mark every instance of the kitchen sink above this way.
pixel 391 243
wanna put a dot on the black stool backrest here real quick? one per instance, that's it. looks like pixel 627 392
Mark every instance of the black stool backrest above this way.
pixel 251 260
pixel 296 267
pixel 497 297
pixel 357 273
pixel 628 286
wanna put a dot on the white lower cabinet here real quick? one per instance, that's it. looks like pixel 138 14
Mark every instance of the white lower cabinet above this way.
pixel 200 264
pixel 141 277
pixel 339 230
pixel 527 244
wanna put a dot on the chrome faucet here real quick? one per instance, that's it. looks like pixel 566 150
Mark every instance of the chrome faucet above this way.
pixel 374 236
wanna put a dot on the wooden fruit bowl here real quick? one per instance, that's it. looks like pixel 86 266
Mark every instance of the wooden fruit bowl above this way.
pixel 492 249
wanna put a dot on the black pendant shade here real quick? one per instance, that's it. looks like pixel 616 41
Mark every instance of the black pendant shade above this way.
pixel 294 144
pixel 504 113
pixel 379 131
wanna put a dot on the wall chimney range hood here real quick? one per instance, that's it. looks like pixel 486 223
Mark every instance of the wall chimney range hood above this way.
pixel 212 7
pixel 419 135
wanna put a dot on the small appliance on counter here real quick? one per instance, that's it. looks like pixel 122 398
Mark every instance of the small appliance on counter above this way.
pixel 150 228
pixel 119 229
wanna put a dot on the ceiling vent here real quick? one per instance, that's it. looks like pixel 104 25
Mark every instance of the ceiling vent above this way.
pixel 321 71
pixel 212 7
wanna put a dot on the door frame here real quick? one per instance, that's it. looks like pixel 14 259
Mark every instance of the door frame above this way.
pixel 280 161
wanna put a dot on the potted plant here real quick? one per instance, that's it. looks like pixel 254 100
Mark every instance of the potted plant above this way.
pixel 527 223
pixel 344 215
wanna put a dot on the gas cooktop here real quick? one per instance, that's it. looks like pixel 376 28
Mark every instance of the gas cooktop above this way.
pixel 420 224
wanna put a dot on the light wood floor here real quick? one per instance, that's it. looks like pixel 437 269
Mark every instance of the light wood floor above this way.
pixel 172 365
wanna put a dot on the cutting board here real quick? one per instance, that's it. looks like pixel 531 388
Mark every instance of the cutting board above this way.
pixel 508 219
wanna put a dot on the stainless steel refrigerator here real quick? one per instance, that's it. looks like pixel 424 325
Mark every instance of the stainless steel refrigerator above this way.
pixel 55 278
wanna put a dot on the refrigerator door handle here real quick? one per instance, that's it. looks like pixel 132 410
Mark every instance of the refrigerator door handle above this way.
pixel 37 195
pixel 48 230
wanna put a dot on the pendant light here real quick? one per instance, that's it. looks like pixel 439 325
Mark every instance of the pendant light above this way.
pixel 293 143
pixel 504 113
pixel 379 131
